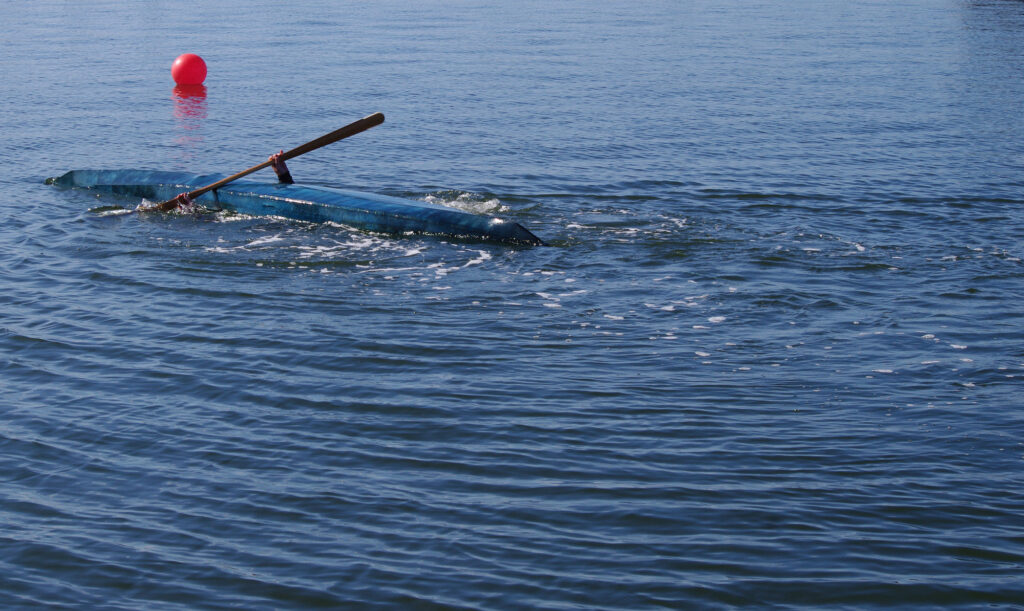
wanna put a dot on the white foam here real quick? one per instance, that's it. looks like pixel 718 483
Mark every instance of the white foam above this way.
pixel 468 202
pixel 266 240
pixel 114 212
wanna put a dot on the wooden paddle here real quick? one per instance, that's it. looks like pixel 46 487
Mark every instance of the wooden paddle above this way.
pixel 349 130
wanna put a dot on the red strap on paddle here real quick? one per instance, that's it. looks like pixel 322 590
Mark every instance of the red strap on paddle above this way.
pixel 184 202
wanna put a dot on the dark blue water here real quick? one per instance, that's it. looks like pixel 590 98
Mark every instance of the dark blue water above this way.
pixel 772 358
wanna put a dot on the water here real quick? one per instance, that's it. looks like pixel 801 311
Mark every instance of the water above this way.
pixel 771 358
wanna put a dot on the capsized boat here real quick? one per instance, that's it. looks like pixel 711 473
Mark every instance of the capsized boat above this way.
pixel 367 211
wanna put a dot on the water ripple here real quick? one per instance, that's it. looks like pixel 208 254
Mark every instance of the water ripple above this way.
pixel 771 358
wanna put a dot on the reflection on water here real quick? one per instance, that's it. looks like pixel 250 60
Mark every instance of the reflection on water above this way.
pixel 190 104
pixel 190 111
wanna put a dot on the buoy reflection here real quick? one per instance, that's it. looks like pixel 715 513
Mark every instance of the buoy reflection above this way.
pixel 190 103
pixel 189 112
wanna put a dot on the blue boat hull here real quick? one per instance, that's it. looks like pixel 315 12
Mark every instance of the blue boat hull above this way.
pixel 367 211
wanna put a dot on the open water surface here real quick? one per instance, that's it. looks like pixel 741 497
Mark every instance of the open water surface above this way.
pixel 772 358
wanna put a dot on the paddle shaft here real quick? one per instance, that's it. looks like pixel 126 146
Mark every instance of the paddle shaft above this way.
pixel 349 130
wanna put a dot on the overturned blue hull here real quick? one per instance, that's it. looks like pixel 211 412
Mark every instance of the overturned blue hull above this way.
pixel 367 211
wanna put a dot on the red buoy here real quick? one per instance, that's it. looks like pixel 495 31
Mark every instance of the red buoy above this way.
pixel 188 69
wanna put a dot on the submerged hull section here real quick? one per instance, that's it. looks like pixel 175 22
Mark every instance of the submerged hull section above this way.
pixel 367 211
